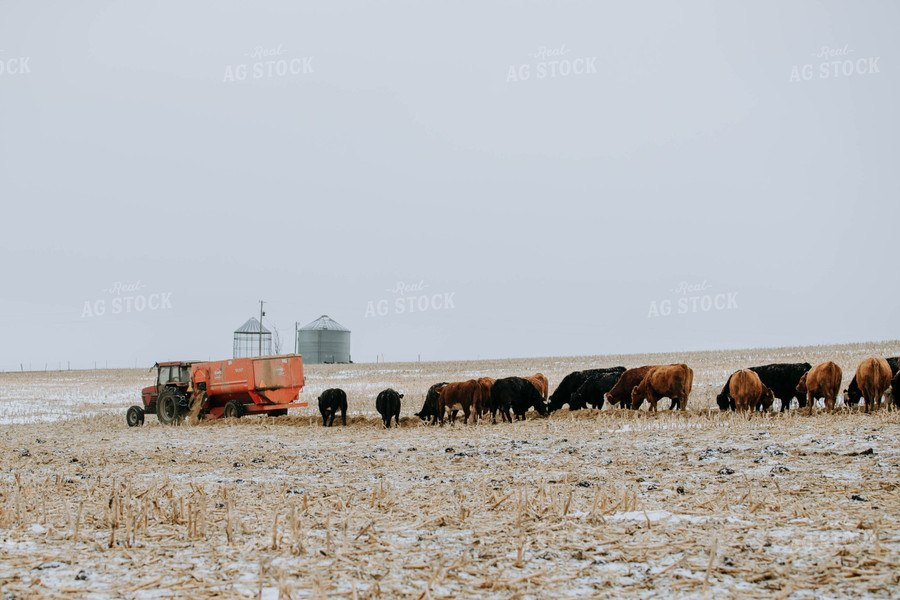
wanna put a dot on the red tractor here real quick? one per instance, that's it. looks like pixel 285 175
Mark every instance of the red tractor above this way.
pixel 228 388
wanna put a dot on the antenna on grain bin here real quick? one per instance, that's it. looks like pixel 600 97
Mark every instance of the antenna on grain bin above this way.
pixel 261 315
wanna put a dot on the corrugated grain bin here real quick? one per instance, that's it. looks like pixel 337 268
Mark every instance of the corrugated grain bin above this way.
pixel 324 341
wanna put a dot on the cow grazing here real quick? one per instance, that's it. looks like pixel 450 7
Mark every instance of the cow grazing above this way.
pixel 568 386
pixel 516 394
pixel 621 392
pixel 822 381
pixel 724 399
pixel 388 406
pixel 873 375
pixel 664 381
pixel 431 406
pixel 895 389
pixel 593 391
pixel 766 400
pixel 541 383
pixel 748 391
pixel 781 378
pixel 331 401
pixel 484 406
pixel 572 382
pixel 853 395
pixel 462 396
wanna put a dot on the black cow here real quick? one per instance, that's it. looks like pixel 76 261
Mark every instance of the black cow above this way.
pixel 573 381
pixel 853 395
pixel 781 378
pixel 593 390
pixel 331 401
pixel 518 394
pixel 895 389
pixel 431 407
pixel 388 406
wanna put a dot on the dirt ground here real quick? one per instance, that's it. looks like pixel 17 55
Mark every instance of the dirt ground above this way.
pixel 594 504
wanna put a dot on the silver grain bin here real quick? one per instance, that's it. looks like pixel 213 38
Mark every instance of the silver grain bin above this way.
pixel 324 341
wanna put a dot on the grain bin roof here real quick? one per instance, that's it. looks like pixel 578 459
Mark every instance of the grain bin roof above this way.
pixel 324 322
pixel 251 326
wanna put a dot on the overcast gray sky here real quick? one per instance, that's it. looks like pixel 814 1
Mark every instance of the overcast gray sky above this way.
pixel 522 178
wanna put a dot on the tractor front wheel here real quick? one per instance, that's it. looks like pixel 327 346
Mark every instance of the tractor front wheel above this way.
pixel 168 411
pixel 135 416
pixel 233 410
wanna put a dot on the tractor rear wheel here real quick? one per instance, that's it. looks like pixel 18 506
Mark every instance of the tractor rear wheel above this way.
pixel 233 410
pixel 168 410
pixel 135 416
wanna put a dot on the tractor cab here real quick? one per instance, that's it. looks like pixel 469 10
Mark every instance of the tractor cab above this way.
pixel 174 376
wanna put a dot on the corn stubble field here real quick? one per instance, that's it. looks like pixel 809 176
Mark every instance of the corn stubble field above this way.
pixel 597 504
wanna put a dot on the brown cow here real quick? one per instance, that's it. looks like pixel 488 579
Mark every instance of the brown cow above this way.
pixel 749 391
pixel 484 406
pixel 822 381
pixel 664 381
pixel 766 400
pixel 540 381
pixel 873 376
pixel 460 396
pixel 621 392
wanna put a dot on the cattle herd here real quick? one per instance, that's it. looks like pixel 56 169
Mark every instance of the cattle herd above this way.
pixel 752 389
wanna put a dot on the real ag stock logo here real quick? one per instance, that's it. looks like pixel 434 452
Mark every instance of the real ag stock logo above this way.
pixel 10 66
pixel 268 63
pixel 835 63
pixel 408 298
pixel 551 63
pixel 126 298
pixel 692 298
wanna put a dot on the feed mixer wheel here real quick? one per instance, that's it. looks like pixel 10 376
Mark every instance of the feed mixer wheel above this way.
pixel 233 410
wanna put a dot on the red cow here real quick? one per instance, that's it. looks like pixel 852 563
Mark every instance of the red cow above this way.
pixel 748 391
pixel 873 376
pixel 621 392
pixel 664 381
pixel 484 406
pixel 822 381
pixel 460 396
pixel 541 383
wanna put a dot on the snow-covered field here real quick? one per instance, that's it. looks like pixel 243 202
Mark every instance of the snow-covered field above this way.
pixel 590 504
pixel 55 395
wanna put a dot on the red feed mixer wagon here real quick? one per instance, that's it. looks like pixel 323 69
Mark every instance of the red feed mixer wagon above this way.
pixel 224 388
